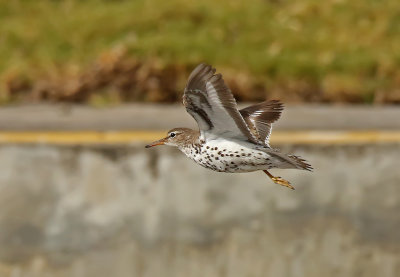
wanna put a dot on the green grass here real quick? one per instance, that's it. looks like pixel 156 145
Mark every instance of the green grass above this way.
pixel 337 46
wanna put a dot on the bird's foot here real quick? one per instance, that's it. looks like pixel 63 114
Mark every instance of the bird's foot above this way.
pixel 279 180
pixel 282 182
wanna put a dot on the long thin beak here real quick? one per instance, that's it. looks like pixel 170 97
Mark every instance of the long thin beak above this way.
pixel 155 143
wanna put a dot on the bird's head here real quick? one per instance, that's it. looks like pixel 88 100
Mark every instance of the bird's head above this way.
pixel 176 137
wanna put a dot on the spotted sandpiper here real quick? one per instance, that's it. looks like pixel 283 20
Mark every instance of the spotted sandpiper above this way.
pixel 228 139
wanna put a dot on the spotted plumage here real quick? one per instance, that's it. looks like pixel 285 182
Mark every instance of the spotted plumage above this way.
pixel 228 140
pixel 242 160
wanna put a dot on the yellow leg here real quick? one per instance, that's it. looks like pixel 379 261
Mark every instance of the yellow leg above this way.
pixel 279 180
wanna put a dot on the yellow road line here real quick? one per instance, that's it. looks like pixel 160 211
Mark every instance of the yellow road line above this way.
pixel 130 137
pixel 80 137
pixel 335 137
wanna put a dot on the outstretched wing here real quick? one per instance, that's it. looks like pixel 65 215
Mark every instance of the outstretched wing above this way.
pixel 259 118
pixel 213 106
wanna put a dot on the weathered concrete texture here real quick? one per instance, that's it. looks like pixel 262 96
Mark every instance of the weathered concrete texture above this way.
pixel 127 211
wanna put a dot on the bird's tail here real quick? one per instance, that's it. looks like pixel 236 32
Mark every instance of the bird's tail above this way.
pixel 300 163
pixel 290 161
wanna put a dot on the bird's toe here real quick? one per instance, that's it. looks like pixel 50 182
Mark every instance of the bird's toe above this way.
pixel 282 182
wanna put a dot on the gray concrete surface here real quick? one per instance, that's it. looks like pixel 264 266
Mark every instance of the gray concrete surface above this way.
pixel 83 211
pixel 139 116
pixel 129 211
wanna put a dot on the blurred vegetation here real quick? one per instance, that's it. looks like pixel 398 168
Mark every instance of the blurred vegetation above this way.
pixel 102 51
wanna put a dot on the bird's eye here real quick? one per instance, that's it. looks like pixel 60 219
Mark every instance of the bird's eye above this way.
pixel 172 135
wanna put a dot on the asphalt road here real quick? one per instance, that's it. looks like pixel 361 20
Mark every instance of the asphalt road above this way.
pixel 160 117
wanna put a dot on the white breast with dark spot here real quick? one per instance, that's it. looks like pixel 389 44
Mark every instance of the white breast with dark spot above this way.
pixel 228 156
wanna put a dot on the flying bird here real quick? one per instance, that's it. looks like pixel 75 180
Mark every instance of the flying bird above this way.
pixel 228 139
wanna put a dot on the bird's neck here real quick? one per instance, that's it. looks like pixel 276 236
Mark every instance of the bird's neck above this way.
pixel 190 138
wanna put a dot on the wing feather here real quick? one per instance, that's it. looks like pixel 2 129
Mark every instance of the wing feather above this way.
pixel 212 105
pixel 260 117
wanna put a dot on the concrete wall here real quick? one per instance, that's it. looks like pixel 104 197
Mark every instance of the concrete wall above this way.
pixel 129 211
